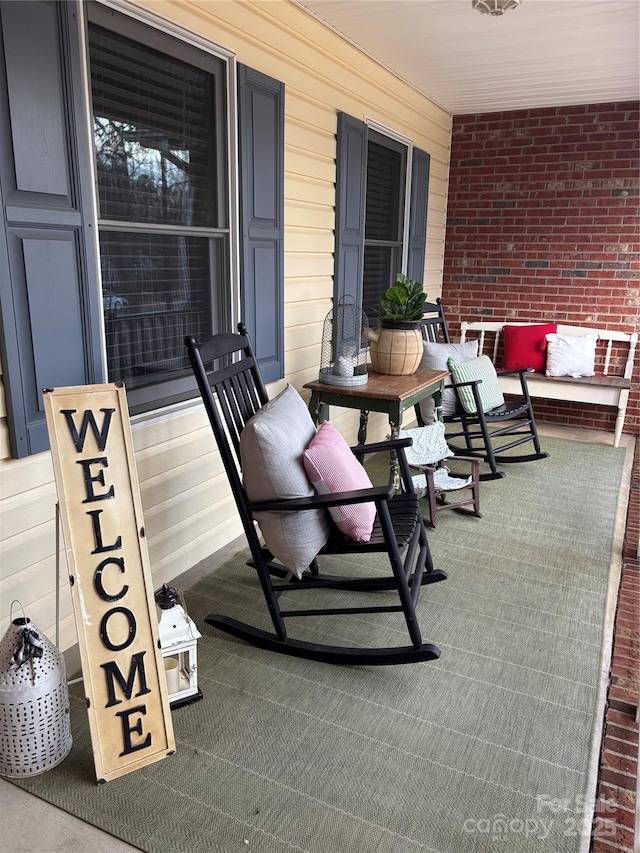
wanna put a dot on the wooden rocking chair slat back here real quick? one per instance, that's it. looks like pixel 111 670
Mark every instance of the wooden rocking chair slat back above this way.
pixel 434 325
pixel 233 391
pixel 478 440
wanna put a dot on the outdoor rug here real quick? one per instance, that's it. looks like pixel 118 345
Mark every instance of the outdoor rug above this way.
pixel 493 747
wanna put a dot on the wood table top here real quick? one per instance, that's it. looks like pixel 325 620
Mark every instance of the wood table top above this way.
pixel 381 386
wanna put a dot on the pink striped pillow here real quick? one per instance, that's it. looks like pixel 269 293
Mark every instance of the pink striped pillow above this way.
pixel 332 467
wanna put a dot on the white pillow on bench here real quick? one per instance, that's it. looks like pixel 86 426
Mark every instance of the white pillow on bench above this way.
pixel 571 355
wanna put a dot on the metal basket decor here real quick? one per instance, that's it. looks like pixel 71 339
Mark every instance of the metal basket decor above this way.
pixel 344 345
pixel 35 725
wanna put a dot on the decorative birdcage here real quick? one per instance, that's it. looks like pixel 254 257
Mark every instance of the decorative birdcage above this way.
pixel 35 724
pixel 344 345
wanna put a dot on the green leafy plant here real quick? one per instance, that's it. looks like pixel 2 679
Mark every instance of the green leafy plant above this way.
pixel 404 301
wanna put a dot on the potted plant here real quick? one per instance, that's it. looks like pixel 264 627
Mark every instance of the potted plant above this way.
pixel 396 346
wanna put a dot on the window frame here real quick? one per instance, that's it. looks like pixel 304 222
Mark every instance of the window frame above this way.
pixel 385 138
pixel 149 30
pixel 351 174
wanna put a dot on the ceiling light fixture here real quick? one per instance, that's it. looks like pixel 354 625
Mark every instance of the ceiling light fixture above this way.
pixel 494 7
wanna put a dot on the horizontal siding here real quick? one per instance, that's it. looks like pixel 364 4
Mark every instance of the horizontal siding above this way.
pixel 303 188
pixel 188 510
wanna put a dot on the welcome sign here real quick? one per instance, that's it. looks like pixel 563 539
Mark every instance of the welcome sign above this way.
pixel 110 576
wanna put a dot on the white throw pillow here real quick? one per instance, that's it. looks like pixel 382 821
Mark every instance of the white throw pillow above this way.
pixel 435 357
pixel 272 446
pixel 571 355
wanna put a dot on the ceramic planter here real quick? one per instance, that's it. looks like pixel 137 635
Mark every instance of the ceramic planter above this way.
pixel 396 347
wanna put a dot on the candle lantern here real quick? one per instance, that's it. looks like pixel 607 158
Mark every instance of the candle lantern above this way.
pixel 178 644
pixel 345 345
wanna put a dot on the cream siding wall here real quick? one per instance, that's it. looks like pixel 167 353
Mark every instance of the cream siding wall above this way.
pixel 188 510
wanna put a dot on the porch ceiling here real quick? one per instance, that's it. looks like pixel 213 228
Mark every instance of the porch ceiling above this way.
pixel 543 53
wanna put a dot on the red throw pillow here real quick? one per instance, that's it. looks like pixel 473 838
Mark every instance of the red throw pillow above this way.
pixel 524 346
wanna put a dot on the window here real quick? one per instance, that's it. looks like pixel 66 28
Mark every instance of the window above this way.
pixel 373 237
pixel 159 122
pixel 384 217
pixel 160 117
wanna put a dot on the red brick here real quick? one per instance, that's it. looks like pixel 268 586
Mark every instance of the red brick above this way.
pixel 629 639
pixel 627 647
pixel 620 763
pixel 622 797
pixel 624 719
pixel 620 733
pixel 619 779
pixel 627 667
pixel 600 846
pixel 630 647
pixel 627 621
pixel 618 745
pixel 614 814
pixel 616 834
pixel 629 599
pixel 626 680
pixel 624 700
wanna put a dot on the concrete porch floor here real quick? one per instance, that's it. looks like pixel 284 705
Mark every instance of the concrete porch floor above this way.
pixel 30 825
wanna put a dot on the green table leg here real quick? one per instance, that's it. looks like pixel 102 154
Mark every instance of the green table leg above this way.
pixel 364 422
pixel 395 421
pixel 437 401
pixel 315 406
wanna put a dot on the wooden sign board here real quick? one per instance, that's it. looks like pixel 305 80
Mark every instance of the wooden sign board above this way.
pixel 111 586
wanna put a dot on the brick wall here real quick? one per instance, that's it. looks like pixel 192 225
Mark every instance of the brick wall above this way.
pixel 543 225
pixel 615 815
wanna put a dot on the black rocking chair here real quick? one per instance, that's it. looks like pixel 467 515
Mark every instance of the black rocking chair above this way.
pixel 232 390
pixel 513 420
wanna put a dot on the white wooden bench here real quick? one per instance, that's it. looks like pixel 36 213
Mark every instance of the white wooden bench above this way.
pixel 610 387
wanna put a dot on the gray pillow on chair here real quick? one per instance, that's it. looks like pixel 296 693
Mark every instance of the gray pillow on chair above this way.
pixel 272 445
pixel 435 357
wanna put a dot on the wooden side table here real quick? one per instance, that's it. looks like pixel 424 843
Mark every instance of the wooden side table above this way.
pixel 381 393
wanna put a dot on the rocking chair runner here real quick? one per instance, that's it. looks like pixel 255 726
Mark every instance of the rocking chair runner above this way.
pixel 514 419
pixel 398 529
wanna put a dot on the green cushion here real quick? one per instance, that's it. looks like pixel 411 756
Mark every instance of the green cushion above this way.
pixel 477 368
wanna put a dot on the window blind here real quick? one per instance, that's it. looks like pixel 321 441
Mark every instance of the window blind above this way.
pixel 154 120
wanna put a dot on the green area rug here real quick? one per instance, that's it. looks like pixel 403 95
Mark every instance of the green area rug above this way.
pixel 493 747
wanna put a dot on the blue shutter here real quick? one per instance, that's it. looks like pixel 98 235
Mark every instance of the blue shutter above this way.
pixel 418 214
pixel 351 181
pixel 50 317
pixel 261 143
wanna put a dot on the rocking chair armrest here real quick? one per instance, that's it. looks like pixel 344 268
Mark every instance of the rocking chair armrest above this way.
pixel 431 469
pixel 520 370
pixel 377 446
pixel 356 496
pixel 475 463
pixel 473 459
pixel 464 384
pixel 523 374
